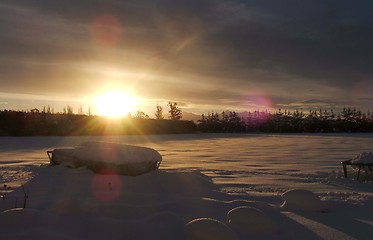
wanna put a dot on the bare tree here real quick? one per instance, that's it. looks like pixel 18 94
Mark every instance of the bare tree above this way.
pixel 141 114
pixel 175 111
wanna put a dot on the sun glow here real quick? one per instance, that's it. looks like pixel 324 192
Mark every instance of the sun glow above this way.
pixel 115 104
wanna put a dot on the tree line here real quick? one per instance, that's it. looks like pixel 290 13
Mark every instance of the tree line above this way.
pixel 297 121
pixel 48 123
pixel 175 112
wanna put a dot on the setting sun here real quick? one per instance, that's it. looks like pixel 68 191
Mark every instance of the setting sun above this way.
pixel 115 104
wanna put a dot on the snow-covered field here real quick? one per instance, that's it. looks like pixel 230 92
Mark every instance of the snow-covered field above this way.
pixel 209 186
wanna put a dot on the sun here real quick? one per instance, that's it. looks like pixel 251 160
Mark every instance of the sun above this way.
pixel 115 104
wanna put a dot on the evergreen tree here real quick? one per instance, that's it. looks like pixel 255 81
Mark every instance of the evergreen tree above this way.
pixel 68 110
pixel 159 113
pixel 80 110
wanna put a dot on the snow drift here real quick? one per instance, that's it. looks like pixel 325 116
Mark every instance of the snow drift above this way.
pixel 100 156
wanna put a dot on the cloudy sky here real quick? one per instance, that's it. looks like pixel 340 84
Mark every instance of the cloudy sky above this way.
pixel 207 55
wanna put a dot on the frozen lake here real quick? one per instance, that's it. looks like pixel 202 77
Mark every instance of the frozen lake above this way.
pixel 259 164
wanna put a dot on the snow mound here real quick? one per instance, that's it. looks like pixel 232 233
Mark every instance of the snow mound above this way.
pixel 116 152
pixel 364 157
pixel 97 156
pixel 300 199
pixel 250 220
pixel 208 228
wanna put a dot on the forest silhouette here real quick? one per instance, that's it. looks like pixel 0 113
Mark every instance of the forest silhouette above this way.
pixel 314 121
pixel 47 123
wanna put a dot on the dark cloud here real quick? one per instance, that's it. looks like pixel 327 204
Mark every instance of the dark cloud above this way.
pixel 301 38
pixel 234 47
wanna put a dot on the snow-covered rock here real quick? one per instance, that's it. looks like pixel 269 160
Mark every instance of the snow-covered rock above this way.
pixel 300 199
pixel 249 220
pixel 208 228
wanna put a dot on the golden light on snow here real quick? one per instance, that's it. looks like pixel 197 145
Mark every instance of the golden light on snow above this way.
pixel 115 104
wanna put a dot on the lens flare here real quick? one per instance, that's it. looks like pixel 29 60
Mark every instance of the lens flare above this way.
pixel 106 186
pixel 106 30
pixel 258 101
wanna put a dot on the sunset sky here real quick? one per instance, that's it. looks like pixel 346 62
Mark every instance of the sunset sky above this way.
pixel 207 55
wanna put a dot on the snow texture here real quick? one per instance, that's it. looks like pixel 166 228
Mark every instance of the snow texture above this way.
pixel 301 199
pixel 116 153
pixel 208 229
pixel 251 221
pixel 214 186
